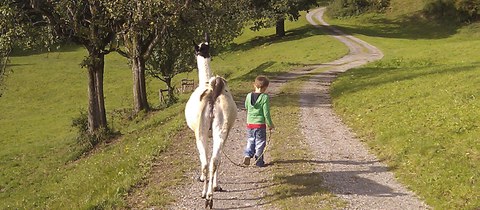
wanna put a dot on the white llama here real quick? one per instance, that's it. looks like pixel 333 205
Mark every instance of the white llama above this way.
pixel 211 106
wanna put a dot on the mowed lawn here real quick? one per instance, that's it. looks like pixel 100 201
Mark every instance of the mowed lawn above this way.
pixel 418 108
pixel 45 91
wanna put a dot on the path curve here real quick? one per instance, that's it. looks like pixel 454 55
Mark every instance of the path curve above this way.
pixel 348 169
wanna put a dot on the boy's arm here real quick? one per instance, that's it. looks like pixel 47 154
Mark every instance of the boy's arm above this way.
pixel 266 112
pixel 246 105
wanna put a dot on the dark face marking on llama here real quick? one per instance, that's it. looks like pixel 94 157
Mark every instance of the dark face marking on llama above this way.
pixel 203 50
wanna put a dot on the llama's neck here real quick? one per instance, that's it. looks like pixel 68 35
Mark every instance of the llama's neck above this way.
pixel 204 72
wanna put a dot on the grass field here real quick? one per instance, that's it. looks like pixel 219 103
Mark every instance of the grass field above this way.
pixel 46 90
pixel 418 108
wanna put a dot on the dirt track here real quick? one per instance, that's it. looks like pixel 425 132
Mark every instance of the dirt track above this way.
pixel 348 169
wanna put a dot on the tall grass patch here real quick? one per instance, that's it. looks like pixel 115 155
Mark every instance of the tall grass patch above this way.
pixel 418 107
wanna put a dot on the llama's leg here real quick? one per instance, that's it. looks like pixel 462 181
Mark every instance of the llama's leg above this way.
pixel 219 136
pixel 214 162
pixel 202 136
pixel 216 188
pixel 203 165
pixel 201 142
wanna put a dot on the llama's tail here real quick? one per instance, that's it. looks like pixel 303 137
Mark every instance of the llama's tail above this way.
pixel 217 85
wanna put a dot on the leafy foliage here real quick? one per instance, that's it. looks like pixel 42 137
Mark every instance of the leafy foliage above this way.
pixel 266 12
pixel 17 32
pixel 345 8
pixel 459 10
pixel 173 54
pixel 470 9
pixel 170 57
pixel 20 31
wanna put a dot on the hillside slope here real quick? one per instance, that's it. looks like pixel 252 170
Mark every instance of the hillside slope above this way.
pixel 418 107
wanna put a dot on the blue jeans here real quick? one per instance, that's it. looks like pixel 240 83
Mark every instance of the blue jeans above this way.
pixel 257 140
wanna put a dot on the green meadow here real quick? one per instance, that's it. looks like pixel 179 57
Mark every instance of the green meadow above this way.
pixel 39 166
pixel 418 108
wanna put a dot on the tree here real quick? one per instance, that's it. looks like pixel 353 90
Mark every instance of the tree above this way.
pixel 18 31
pixel 167 60
pixel 88 23
pixel 267 13
pixel 223 19
pixel 144 25
pixel 172 55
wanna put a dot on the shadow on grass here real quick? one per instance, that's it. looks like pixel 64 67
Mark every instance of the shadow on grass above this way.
pixel 290 35
pixel 376 76
pixel 62 48
pixel 18 64
pixel 407 27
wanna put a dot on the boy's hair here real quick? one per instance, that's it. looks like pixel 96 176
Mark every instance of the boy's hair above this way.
pixel 261 82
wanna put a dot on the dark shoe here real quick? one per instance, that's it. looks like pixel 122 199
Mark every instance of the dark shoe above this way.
pixel 261 165
pixel 246 160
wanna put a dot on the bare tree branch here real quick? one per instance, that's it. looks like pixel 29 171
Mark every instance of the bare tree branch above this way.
pixel 154 42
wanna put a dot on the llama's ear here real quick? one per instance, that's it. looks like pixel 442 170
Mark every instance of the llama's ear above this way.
pixel 207 38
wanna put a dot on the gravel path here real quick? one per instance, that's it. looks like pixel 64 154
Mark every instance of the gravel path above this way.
pixel 349 170
pixel 244 187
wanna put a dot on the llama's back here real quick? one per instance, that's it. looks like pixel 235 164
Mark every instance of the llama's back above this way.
pixel 193 108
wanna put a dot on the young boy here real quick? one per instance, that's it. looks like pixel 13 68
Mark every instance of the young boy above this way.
pixel 257 104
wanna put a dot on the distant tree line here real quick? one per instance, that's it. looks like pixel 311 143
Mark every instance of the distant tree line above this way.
pixel 154 35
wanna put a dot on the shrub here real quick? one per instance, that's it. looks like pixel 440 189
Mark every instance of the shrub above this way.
pixel 459 10
pixel 440 9
pixel 86 141
pixel 346 8
pixel 469 9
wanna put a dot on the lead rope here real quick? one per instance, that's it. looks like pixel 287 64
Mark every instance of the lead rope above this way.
pixel 255 163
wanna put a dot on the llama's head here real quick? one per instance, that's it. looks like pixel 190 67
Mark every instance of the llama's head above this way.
pixel 203 49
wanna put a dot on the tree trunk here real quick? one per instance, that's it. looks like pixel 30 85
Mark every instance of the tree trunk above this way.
pixel 101 99
pixel 139 86
pixel 138 71
pixel 280 27
pixel 93 122
pixel 171 96
pixel 3 67
pixel 97 118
